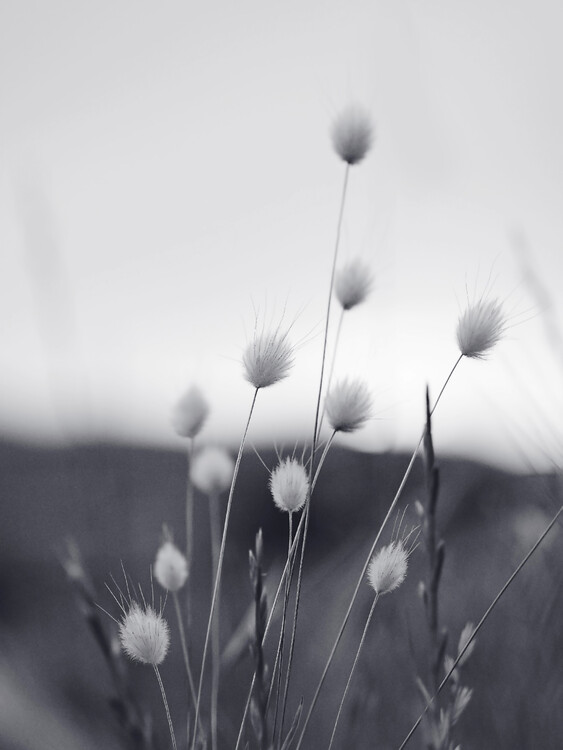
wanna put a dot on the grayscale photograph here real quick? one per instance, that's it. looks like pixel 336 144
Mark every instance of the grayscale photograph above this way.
pixel 281 356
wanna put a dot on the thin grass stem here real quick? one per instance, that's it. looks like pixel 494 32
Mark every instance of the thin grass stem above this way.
pixel 220 563
pixel 279 654
pixel 481 622
pixel 163 693
pixel 370 615
pixel 189 527
pixel 215 533
pixel 332 364
pixel 185 652
pixel 298 588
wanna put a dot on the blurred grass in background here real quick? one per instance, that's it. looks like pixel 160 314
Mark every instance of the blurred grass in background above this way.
pixel 113 500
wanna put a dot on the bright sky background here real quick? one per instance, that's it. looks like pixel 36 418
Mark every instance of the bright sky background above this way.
pixel 166 168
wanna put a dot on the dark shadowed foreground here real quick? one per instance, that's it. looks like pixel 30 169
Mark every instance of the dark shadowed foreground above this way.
pixel 55 689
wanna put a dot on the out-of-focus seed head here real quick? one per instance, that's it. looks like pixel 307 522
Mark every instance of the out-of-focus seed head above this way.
pixel 479 328
pixel 466 634
pixel 289 485
pixel 388 568
pixel 352 134
pixel 267 359
pixel 348 405
pixel 352 284
pixel 144 634
pixel 170 567
pixel 190 413
pixel 212 470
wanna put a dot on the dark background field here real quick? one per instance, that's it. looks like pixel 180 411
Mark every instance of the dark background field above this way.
pixel 54 685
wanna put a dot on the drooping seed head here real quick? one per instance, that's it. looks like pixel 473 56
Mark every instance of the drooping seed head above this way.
pixel 479 328
pixel 267 359
pixel 144 634
pixel 170 567
pixel 190 413
pixel 388 568
pixel 289 485
pixel 352 134
pixel 212 470
pixel 352 284
pixel 348 405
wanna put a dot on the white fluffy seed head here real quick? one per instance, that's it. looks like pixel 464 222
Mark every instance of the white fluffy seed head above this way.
pixel 144 634
pixel 289 485
pixel 170 567
pixel 352 284
pixel 388 568
pixel 267 359
pixel 348 405
pixel 479 328
pixel 352 134
pixel 212 470
pixel 190 413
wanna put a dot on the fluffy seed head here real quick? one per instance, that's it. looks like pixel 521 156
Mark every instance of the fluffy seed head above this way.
pixel 479 328
pixel 190 413
pixel 144 634
pixel 212 470
pixel 388 568
pixel 289 485
pixel 268 358
pixel 352 284
pixel 348 405
pixel 352 134
pixel 170 567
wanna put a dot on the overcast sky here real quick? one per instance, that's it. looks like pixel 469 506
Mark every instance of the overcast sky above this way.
pixel 166 171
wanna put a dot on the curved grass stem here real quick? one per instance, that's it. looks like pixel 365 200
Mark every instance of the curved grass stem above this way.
pixel 215 533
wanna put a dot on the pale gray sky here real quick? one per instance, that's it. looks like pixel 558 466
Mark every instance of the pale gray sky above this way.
pixel 166 167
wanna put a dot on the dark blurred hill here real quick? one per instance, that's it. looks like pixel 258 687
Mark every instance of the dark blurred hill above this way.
pixel 112 500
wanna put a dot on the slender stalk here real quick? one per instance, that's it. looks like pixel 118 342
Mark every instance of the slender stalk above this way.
pixel 352 670
pixel 220 563
pixel 368 558
pixel 283 576
pixel 177 607
pixel 215 533
pixel 279 654
pixel 189 528
pixel 490 608
pixel 333 362
pixel 172 736
pixel 298 588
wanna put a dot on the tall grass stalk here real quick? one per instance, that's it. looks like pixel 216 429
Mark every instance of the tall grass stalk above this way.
pixel 315 434
pixel 185 652
pixel 215 534
pixel 220 564
pixel 333 361
pixel 368 558
pixel 189 528
pixel 285 573
pixel 346 689
pixel 278 663
pixel 481 622
pixel 299 581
